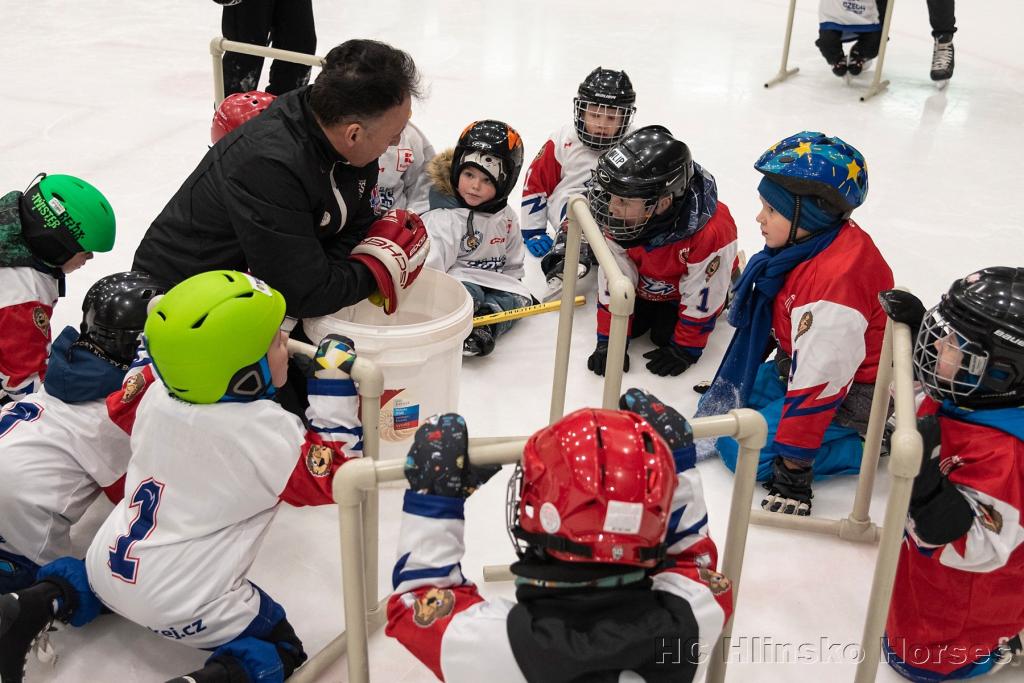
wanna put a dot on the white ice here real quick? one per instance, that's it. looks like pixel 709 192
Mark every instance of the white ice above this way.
pixel 120 93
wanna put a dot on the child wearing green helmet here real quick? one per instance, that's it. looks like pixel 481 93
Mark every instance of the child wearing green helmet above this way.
pixel 811 297
pixel 48 231
pixel 212 458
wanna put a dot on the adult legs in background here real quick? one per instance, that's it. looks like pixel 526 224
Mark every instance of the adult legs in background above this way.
pixel 293 30
pixel 246 22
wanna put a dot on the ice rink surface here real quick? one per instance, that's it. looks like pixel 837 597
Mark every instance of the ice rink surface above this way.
pixel 120 93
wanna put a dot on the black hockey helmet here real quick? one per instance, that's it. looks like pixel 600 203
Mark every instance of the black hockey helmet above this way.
pixel 648 164
pixel 609 89
pixel 970 348
pixel 114 313
pixel 496 149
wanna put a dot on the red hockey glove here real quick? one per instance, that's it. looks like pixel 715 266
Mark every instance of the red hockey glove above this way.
pixel 394 250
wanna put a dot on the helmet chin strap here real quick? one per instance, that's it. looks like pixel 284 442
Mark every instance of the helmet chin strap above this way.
pixel 795 223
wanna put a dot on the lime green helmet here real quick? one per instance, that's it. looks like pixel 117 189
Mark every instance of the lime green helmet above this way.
pixel 209 335
pixel 62 215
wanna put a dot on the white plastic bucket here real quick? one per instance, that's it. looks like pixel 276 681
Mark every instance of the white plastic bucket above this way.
pixel 418 348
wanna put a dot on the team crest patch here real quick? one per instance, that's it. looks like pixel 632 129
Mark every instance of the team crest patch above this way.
pixel 712 268
pixel 684 254
pixel 133 387
pixel 990 518
pixel 806 320
pixel 42 320
pixel 470 242
pixel 318 460
pixel 718 583
pixel 436 603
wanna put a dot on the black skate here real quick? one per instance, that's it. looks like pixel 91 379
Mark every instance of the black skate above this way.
pixel 942 59
pixel 789 491
pixel 25 619
pixel 855 64
pixel 215 671
pixel 839 68
pixel 553 265
pixel 480 342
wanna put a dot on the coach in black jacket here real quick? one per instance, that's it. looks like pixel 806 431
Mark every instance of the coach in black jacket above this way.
pixel 289 194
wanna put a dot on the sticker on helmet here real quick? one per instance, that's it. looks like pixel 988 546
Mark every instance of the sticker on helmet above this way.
pixel 550 520
pixel 57 207
pixel 616 158
pixel 623 517
pixel 259 285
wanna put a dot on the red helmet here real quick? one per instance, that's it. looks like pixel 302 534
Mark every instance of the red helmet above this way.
pixel 596 486
pixel 237 109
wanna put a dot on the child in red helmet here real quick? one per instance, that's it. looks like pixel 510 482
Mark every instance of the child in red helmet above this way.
pixel 616 570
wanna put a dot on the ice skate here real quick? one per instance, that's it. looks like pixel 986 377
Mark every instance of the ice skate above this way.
pixel 839 68
pixel 480 342
pixel 942 60
pixel 789 491
pixel 25 619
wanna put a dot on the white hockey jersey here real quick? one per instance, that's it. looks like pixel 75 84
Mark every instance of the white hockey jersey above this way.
pixel 487 250
pixel 857 16
pixel 55 458
pixel 402 180
pixel 562 167
pixel 202 487
pixel 27 298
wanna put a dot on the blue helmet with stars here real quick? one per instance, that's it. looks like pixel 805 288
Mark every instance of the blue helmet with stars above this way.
pixel 812 164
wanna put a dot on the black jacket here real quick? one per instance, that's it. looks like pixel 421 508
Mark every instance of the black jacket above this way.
pixel 275 199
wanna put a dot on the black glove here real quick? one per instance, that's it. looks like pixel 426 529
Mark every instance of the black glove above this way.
pixel 438 460
pixel 665 419
pixel 903 307
pixel 940 512
pixel 599 357
pixel 669 360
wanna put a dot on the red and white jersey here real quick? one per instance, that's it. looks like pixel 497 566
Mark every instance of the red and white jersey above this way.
pixel 55 458
pixel 440 617
pixel 695 271
pixel 562 167
pixel 488 252
pixel 27 298
pixel 828 320
pixel 952 604
pixel 202 487
pixel 402 180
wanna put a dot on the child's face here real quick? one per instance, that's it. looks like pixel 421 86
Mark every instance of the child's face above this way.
pixel 601 120
pixel 277 359
pixel 475 186
pixel 774 226
pixel 76 262
pixel 631 211
pixel 950 357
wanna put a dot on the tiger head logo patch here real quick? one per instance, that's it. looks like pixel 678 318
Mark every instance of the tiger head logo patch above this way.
pixel 318 460
pixel 712 268
pixel 718 583
pixel 436 603
pixel 133 387
pixel 42 320
pixel 806 320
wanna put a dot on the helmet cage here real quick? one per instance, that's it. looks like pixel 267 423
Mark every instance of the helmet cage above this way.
pixel 948 364
pixel 600 142
pixel 613 227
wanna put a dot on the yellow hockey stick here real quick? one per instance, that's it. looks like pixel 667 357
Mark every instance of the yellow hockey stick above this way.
pixel 525 311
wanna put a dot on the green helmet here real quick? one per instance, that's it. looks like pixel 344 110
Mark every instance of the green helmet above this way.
pixel 209 335
pixel 63 215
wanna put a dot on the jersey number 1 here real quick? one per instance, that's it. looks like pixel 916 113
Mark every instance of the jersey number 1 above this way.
pixel 703 305
pixel 145 501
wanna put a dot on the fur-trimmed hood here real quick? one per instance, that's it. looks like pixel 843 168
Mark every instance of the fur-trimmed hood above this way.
pixel 442 194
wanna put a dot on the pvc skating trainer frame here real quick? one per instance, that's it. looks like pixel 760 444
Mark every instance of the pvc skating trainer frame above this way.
pixel 218 46
pixel 877 84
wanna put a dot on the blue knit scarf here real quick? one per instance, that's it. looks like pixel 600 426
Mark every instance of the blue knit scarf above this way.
pixel 751 315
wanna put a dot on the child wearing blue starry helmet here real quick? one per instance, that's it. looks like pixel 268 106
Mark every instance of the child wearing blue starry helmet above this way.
pixel 808 302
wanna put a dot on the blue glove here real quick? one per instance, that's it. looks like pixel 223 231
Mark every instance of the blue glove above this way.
pixel 438 461
pixel 539 245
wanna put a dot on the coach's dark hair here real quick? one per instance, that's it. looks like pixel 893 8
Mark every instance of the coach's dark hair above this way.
pixel 362 79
